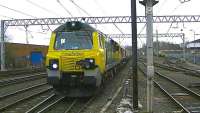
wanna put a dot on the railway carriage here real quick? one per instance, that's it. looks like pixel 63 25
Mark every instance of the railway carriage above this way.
pixel 79 57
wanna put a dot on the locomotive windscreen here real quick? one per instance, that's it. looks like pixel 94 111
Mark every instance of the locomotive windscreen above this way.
pixel 73 40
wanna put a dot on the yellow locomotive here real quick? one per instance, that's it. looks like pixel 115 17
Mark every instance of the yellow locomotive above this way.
pixel 79 57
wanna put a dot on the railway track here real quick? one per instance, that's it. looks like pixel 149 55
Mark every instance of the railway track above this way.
pixel 19 72
pixel 5 82
pixel 81 104
pixel 37 97
pixel 16 99
pixel 175 67
pixel 192 74
pixel 55 103
pixel 46 104
pixel 185 98
pixel 179 68
pixel 61 104
pixel 21 90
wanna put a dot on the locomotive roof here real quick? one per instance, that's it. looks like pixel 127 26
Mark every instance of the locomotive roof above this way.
pixel 78 26
pixel 74 26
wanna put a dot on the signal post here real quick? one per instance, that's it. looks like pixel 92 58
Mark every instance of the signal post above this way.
pixel 149 42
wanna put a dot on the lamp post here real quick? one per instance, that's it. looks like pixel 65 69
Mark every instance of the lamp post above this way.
pixel 184 52
pixel 2 46
pixel 194 59
pixel 157 44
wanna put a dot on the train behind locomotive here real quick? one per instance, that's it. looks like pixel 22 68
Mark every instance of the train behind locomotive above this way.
pixel 79 58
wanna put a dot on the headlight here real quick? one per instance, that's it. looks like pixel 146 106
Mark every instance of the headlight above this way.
pixel 73 24
pixel 91 60
pixel 54 64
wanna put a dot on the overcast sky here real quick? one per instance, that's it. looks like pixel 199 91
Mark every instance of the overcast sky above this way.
pixel 65 8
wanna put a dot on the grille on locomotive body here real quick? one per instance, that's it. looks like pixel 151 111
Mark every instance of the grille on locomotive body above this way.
pixel 69 64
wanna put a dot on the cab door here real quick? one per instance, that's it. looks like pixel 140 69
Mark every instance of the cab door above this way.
pixel 102 50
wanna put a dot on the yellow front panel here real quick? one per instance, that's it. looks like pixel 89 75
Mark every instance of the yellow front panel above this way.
pixel 68 58
pixel 69 63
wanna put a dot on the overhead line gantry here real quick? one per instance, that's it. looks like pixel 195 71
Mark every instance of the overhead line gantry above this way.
pixel 144 35
pixel 101 20
pixel 89 20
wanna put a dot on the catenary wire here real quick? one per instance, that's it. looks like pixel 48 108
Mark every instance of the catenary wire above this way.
pixel 181 2
pixel 113 23
pixel 72 1
pixel 16 10
pixel 6 17
pixel 172 12
pixel 43 8
pixel 20 12
pixel 29 31
pixel 64 8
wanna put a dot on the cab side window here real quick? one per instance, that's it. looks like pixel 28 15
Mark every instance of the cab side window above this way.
pixel 100 41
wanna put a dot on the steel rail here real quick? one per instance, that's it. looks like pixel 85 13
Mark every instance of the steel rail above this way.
pixel 190 70
pixel 23 99
pixel 183 69
pixel 183 87
pixel 168 94
pixel 15 80
pixel 21 71
pixel 87 104
pixel 168 67
pixel 194 93
pixel 51 105
pixel 22 90
pixel 161 65
pixel 179 85
pixel 39 104
pixel 70 107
